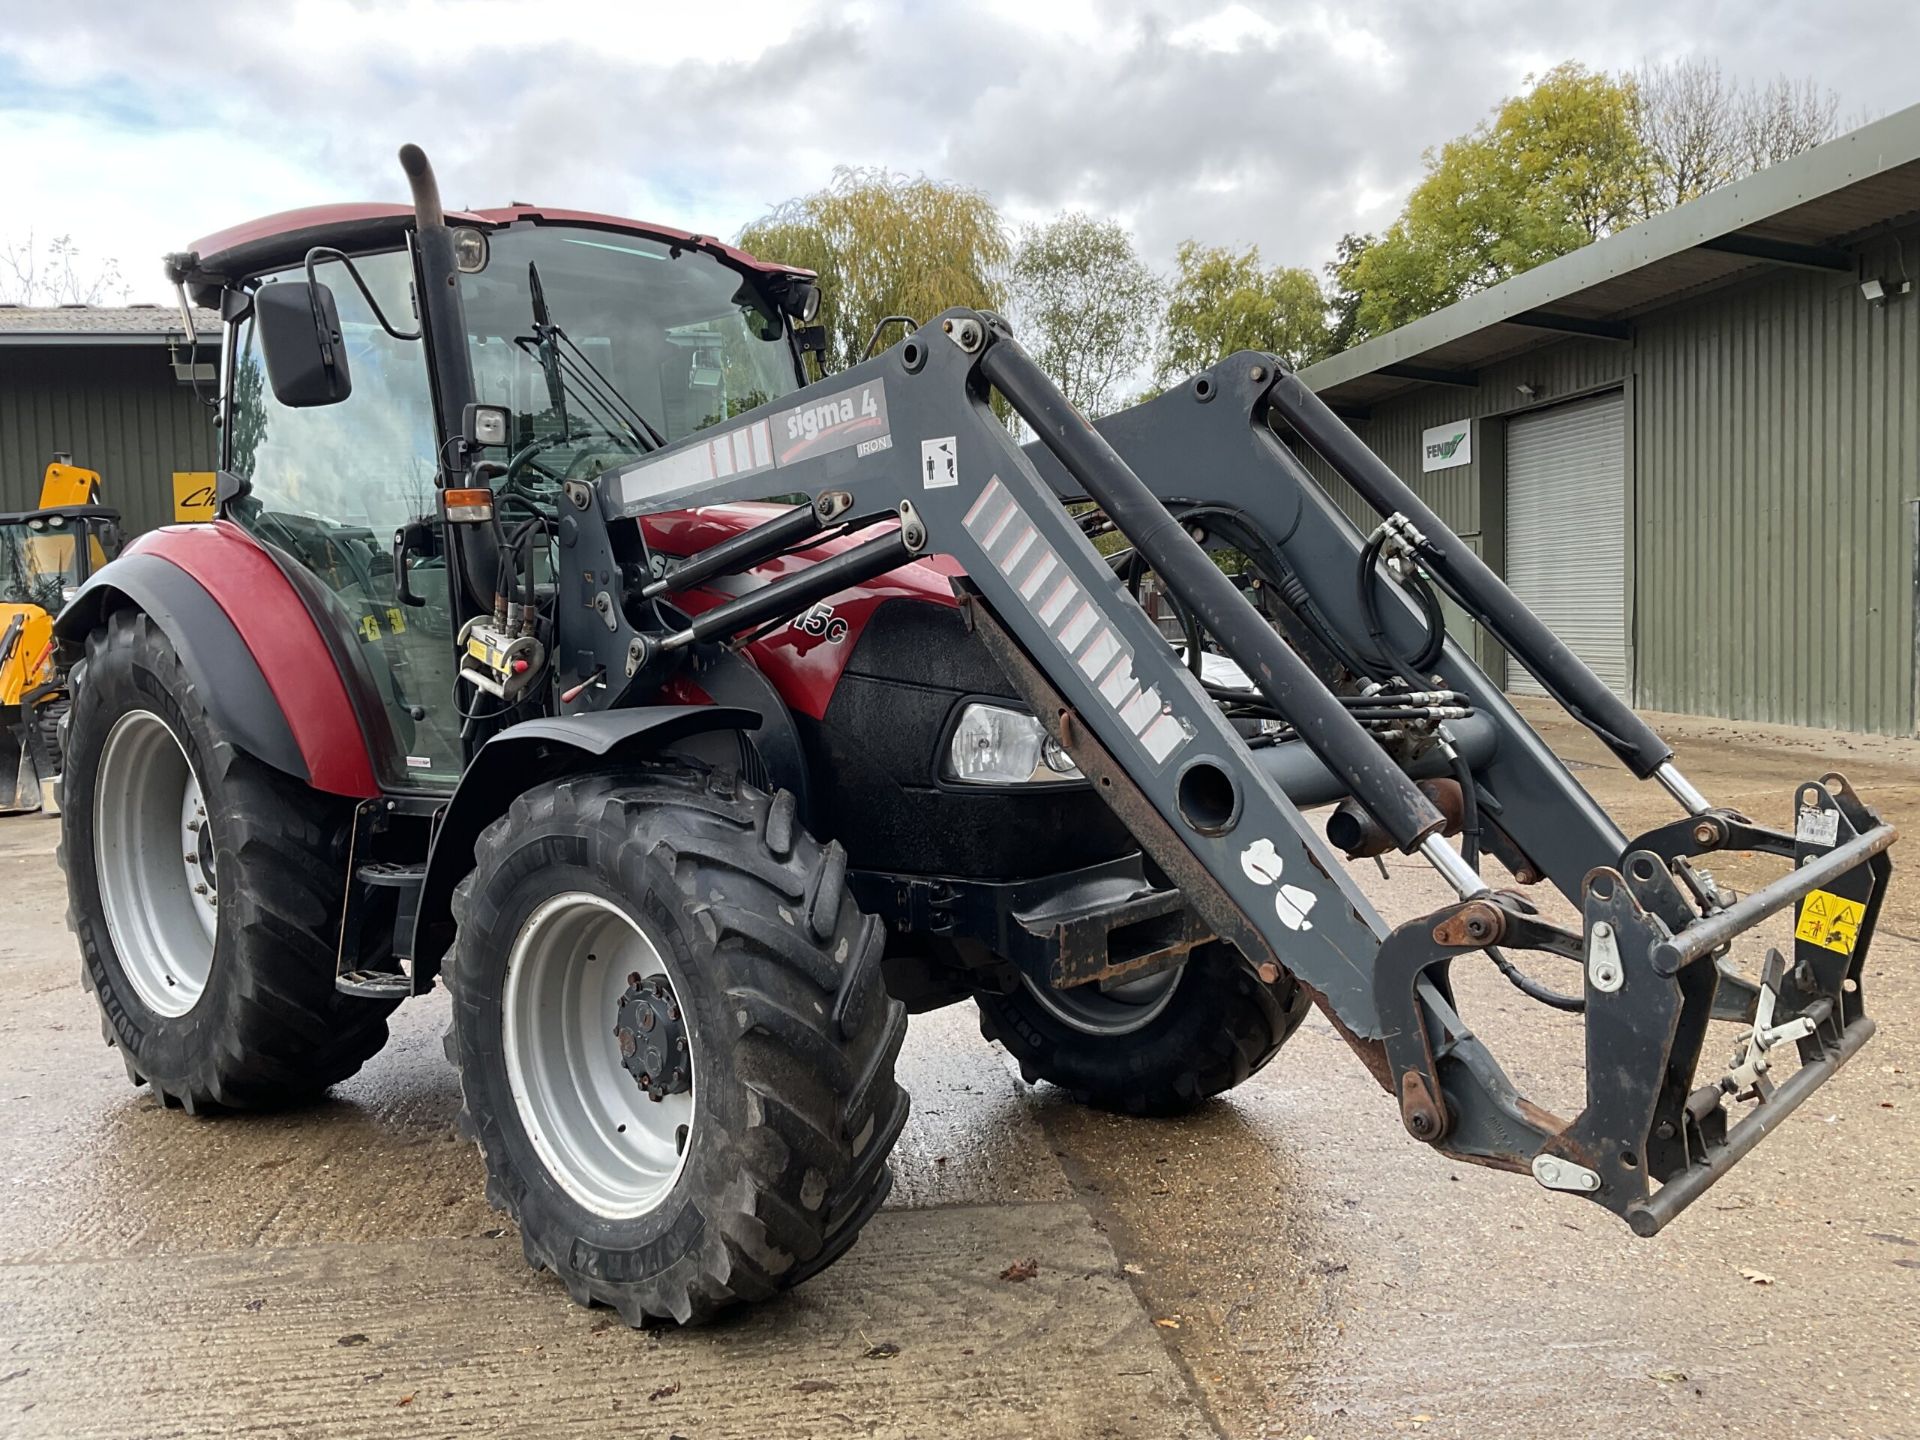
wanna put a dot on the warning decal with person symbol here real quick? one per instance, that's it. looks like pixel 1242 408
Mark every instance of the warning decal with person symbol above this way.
pixel 939 462
pixel 1830 921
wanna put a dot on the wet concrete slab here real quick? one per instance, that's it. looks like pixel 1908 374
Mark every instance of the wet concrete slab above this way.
pixel 434 1337
pixel 1285 1263
pixel 1333 1278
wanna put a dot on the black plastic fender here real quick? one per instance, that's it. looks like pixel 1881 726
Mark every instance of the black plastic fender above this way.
pixel 225 674
pixel 528 754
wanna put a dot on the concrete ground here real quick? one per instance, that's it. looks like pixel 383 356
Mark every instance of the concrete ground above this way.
pixel 1286 1263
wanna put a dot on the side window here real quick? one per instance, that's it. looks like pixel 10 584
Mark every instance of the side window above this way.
pixel 330 485
pixel 367 461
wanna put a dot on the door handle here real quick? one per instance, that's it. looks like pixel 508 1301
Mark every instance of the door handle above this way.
pixel 408 541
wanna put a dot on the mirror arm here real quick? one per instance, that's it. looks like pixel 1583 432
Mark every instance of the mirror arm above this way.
pixel 328 252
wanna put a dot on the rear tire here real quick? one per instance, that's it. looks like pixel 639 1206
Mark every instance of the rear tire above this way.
pixel 1215 1027
pixel 216 998
pixel 741 930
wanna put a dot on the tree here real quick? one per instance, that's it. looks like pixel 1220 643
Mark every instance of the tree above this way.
pixel 886 244
pixel 1220 302
pixel 1343 306
pixel 1085 305
pixel 1550 171
pixel 1781 119
pixel 53 274
pixel 1683 118
pixel 1702 130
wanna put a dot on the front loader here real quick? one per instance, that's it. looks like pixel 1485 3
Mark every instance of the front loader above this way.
pixel 46 554
pixel 693 723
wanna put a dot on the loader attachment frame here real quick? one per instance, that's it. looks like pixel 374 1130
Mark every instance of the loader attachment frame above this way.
pixel 906 444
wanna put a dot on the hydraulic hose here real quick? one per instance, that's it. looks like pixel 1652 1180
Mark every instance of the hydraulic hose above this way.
pixel 1281 675
pixel 1414 670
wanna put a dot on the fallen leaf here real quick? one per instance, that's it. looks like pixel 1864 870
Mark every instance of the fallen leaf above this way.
pixel 1021 1270
pixel 665 1390
pixel 13 1375
pixel 1167 1322
pixel 1668 1377
pixel 1133 1269
pixel 815 1387
pixel 885 1350
pixel 1758 1277
pixel 354 1339
pixel 252 1307
pixel 406 1399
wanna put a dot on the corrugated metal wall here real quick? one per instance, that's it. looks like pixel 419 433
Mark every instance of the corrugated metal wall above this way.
pixel 1775 448
pixel 1778 445
pixel 115 409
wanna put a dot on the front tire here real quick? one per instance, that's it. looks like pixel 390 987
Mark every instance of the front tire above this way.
pixel 1160 1046
pixel 675 1048
pixel 204 889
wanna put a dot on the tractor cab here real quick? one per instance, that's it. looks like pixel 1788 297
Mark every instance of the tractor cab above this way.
pixel 590 340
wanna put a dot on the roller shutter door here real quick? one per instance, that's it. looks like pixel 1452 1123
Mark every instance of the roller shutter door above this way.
pixel 1566 531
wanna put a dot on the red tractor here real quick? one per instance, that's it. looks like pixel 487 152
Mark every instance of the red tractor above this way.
pixel 695 723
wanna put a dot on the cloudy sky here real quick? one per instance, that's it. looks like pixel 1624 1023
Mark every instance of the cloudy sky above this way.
pixel 139 127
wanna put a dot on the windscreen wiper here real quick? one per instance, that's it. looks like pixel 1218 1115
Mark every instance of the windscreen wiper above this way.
pixel 557 365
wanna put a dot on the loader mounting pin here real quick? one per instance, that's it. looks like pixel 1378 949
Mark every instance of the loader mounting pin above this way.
pixel 1424 1115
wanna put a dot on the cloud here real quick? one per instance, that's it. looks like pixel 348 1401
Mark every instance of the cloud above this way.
pixel 138 128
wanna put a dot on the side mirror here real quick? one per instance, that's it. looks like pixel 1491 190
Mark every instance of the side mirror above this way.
pixel 299 329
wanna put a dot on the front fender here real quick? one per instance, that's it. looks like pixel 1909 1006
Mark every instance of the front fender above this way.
pixel 529 754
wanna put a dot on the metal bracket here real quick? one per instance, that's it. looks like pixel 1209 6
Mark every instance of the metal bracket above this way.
pixel 1604 970
pixel 1558 1173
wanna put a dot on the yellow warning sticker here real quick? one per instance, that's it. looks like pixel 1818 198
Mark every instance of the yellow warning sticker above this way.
pixel 1830 921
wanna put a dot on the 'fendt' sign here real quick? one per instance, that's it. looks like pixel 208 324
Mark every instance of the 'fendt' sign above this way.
pixel 1445 446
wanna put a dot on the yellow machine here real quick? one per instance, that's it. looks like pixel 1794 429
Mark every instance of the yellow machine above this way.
pixel 45 554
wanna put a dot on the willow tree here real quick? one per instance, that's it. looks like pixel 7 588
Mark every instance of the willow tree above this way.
pixel 885 243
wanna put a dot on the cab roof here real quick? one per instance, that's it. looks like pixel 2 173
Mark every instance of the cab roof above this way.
pixel 275 241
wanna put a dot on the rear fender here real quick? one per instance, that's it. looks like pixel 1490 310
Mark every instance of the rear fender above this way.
pixel 251 649
pixel 529 754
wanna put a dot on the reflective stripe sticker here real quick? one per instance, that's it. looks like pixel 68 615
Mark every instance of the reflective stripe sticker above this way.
pixel 995 491
pixel 1079 623
pixel 1042 568
pixel 1064 592
pixel 1138 711
pixel 1163 737
pixel 1022 542
pixel 1119 683
pixel 1099 654
pixel 1012 541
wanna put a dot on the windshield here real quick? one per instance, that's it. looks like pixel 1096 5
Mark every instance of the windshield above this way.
pixel 38 563
pixel 649 339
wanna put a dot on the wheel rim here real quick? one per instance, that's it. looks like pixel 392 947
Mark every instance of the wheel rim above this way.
pixel 603 1138
pixel 1118 1010
pixel 153 853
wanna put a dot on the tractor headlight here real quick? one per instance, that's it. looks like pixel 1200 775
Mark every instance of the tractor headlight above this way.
pixel 992 745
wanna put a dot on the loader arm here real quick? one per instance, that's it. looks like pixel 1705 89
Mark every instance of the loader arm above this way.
pixel 907 446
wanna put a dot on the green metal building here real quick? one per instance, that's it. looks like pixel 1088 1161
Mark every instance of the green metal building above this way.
pixel 1694 446
pixel 111 387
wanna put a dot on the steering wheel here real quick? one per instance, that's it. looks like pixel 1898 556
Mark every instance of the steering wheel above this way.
pixel 533 483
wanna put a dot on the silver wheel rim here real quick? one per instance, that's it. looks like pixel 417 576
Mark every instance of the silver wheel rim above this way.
pixel 613 1149
pixel 153 854
pixel 1118 1010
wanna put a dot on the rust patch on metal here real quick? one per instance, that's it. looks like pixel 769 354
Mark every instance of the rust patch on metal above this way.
pixel 1421 1111
pixel 1152 933
pixel 1471 926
